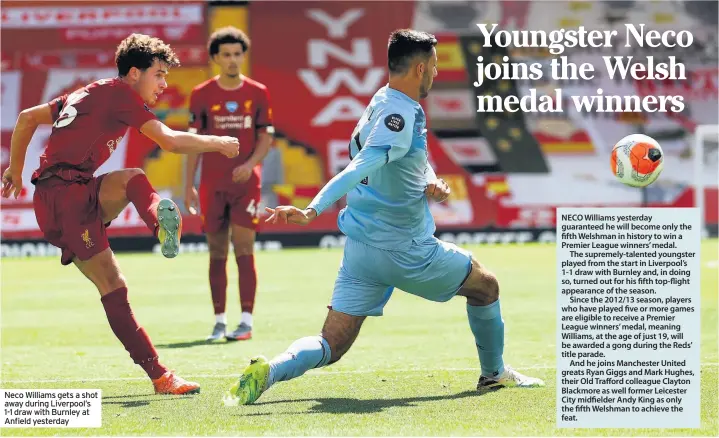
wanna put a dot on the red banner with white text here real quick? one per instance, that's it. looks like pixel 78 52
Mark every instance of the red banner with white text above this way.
pixel 54 47
pixel 325 77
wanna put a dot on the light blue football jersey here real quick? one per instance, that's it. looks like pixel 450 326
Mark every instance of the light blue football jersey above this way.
pixel 388 209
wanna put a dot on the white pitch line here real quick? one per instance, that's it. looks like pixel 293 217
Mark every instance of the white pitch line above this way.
pixel 314 373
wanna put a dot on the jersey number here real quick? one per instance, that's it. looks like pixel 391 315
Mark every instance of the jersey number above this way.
pixel 356 138
pixel 252 208
pixel 69 112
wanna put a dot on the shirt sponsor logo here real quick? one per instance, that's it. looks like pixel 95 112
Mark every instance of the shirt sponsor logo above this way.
pixel 231 106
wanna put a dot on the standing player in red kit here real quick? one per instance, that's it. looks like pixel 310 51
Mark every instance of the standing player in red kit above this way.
pixel 73 207
pixel 230 104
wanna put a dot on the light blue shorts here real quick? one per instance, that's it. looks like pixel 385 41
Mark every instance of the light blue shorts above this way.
pixel 434 270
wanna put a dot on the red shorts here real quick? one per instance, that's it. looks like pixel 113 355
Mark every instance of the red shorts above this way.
pixel 220 207
pixel 70 217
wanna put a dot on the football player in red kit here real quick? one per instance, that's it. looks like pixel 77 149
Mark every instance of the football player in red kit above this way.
pixel 73 207
pixel 230 104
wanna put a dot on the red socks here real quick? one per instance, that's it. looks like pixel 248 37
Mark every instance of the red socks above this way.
pixel 218 284
pixel 248 281
pixel 132 336
pixel 145 199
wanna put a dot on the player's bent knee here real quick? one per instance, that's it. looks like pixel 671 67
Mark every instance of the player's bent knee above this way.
pixel 115 284
pixel 109 283
pixel 340 331
pixel 135 171
pixel 131 173
pixel 482 286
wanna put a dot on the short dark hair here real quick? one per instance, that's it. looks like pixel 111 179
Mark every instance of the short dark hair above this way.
pixel 227 35
pixel 404 45
pixel 140 51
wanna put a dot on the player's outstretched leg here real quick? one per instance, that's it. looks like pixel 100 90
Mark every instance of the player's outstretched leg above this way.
pixel 485 320
pixel 161 216
pixel 303 355
pixel 338 334
pixel 170 227
pixel 103 270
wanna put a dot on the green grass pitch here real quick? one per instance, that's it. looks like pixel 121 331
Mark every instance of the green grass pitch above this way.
pixel 411 372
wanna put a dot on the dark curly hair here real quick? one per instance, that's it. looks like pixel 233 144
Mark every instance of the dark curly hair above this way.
pixel 140 51
pixel 227 35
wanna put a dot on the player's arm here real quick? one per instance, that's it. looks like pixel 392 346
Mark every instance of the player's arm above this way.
pixel 192 200
pixel 389 140
pixel 265 135
pixel 197 124
pixel 266 130
pixel 264 141
pixel 131 111
pixel 25 127
pixel 179 142
pixel 365 163
pixel 191 170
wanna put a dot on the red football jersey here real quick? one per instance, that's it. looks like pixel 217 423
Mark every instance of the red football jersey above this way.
pixel 88 125
pixel 237 113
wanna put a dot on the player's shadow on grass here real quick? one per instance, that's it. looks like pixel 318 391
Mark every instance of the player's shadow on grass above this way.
pixel 139 400
pixel 356 406
pixel 189 344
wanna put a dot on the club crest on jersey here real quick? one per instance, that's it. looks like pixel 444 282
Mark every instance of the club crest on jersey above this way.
pixel 86 238
pixel 394 122
pixel 231 106
pixel 248 105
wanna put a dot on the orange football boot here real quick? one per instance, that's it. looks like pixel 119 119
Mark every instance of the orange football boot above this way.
pixel 170 383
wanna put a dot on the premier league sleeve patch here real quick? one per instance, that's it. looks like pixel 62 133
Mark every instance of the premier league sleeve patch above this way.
pixel 394 122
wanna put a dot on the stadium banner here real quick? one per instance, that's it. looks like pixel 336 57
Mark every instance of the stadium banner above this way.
pixel 51 48
pixel 327 75
pixel 517 150
pixel 328 72
pixel 329 69
pixel 58 25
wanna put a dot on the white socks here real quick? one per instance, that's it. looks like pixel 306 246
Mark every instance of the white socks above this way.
pixel 246 318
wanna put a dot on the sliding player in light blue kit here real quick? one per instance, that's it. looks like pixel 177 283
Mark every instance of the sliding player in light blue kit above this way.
pixel 390 235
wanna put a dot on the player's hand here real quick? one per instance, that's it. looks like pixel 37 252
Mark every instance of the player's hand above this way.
pixel 287 214
pixel 11 183
pixel 437 190
pixel 192 200
pixel 242 173
pixel 229 146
